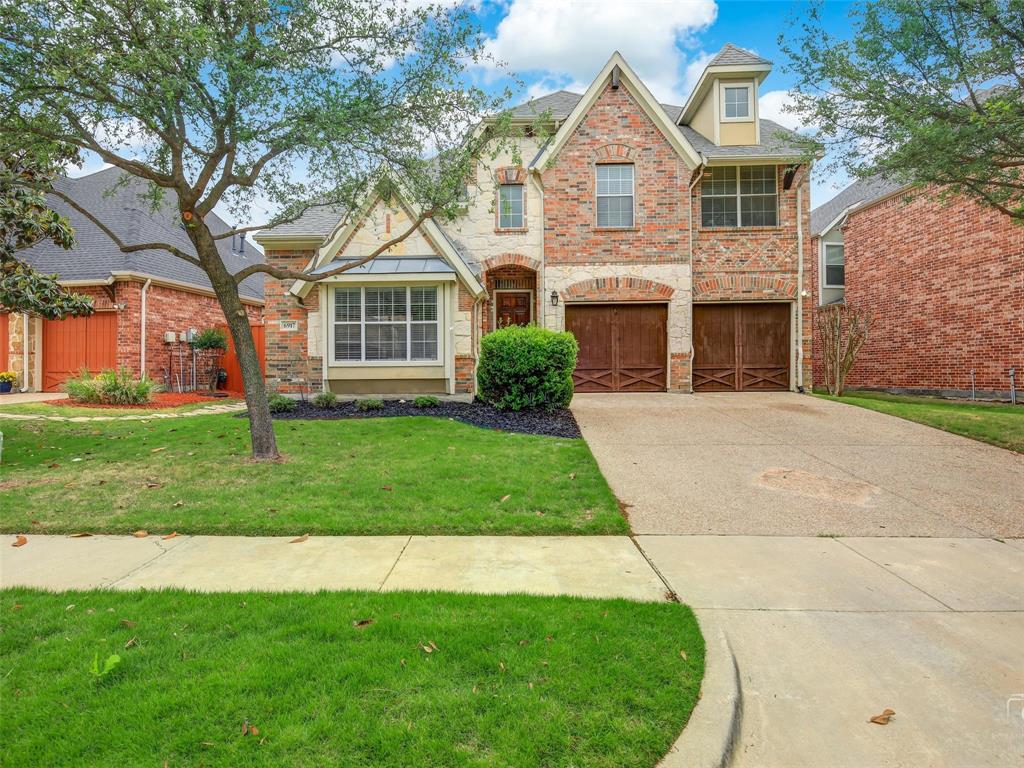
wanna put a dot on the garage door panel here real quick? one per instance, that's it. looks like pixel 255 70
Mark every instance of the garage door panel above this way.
pixel 623 347
pixel 741 347
pixel 75 343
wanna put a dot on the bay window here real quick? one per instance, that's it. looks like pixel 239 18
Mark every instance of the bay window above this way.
pixel 739 196
pixel 386 324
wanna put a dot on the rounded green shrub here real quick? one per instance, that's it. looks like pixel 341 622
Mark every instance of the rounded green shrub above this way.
pixel 369 404
pixel 281 403
pixel 325 400
pixel 526 367
pixel 426 401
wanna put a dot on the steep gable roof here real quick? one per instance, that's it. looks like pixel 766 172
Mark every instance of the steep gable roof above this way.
pixel 861 192
pixel 558 104
pixel 628 79
pixel 124 209
pixel 732 55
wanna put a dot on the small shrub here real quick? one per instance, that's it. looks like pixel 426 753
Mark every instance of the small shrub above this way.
pixel 325 400
pixel 210 338
pixel 281 403
pixel 111 387
pixel 426 401
pixel 369 404
pixel 526 367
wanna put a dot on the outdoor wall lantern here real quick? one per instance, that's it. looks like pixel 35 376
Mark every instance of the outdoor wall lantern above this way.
pixel 554 298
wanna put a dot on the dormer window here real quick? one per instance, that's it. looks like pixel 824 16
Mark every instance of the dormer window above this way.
pixel 737 102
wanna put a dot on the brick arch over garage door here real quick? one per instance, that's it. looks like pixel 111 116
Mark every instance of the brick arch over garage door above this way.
pixel 618 289
pixel 737 287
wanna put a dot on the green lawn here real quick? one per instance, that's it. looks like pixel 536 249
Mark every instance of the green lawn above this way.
pixel 373 476
pixel 514 680
pixel 996 423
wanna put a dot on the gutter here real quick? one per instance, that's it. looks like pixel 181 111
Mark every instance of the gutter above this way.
pixel 142 329
pixel 689 213
pixel 800 281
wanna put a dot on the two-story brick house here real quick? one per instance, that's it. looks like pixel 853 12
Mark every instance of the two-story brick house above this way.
pixel 670 240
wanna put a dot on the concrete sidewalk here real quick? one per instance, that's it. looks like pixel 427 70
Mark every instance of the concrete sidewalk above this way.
pixel 591 566
pixel 830 632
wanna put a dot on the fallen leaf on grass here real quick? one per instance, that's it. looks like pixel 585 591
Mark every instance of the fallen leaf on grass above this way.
pixel 178 503
pixel 19 541
pixel 884 718
pixel 248 729
pixel 572 475
pixel 506 497
pixel 17 607
pixel 140 534
pixel 152 484
pixel 501 665
pixel 128 623
pixel 132 642
pixel 79 535
pixel 300 539
pixel 157 450
pixel 360 623
pixel 683 656
pixel 171 535
pixel 385 487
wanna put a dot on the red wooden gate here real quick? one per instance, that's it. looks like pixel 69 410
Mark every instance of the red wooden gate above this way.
pixel 230 360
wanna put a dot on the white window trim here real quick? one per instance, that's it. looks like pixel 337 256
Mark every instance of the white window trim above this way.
pixel 522 199
pixel 632 195
pixel 751 100
pixel 332 324
pixel 739 202
pixel 824 265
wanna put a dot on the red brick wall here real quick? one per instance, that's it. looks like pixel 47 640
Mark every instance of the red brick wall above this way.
pixel 944 282
pixel 616 130
pixel 760 263
pixel 167 309
pixel 289 366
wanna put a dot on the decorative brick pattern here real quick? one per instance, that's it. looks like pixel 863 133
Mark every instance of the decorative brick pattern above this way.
pixel 290 368
pixel 618 289
pixel 944 282
pixel 465 374
pixel 737 286
pixel 614 153
pixel 510 260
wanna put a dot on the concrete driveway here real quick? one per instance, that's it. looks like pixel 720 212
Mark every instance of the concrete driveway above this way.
pixel 783 464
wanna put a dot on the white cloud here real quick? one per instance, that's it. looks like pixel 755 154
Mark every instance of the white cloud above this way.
pixel 571 41
pixel 772 106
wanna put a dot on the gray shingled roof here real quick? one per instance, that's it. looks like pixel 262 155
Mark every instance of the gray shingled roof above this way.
pixel 732 55
pixel 559 104
pixel 95 255
pixel 775 141
pixel 318 221
pixel 861 191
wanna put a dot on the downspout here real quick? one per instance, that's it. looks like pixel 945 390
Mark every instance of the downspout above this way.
pixel 689 211
pixel 142 329
pixel 24 352
pixel 800 282
pixel 542 288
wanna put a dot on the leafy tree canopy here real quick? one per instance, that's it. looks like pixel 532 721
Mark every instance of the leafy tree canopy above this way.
pixel 26 220
pixel 926 92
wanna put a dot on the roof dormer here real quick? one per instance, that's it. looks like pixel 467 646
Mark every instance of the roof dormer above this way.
pixel 723 105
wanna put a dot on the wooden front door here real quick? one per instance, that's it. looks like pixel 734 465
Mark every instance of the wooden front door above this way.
pixel 78 343
pixel 623 347
pixel 513 308
pixel 740 347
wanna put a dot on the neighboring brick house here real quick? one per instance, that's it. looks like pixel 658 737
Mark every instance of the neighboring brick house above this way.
pixel 670 240
pixel 148 291
pixel 943 281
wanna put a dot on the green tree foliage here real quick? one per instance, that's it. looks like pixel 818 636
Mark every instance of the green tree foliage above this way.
pixel 929 93
pixel 225 104
pixel 26 220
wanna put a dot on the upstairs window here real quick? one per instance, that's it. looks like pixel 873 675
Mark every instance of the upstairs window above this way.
pixel 739 196
pixel 835 265
pixel 736 99
pixel 615 195
pixel 510 207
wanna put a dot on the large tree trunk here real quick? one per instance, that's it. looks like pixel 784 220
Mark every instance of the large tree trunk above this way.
pixel 261 427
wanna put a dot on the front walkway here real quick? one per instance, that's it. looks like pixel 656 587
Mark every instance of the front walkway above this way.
pixel 592 566
pixel 144 415
pixel 782 464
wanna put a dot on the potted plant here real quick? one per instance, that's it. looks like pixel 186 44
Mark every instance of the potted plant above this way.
pixel 211 344
pixel 7 379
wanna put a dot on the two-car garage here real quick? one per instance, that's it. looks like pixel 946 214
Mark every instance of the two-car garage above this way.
pixel 736 346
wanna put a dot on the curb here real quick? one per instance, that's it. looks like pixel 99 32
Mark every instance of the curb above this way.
pixel 711 734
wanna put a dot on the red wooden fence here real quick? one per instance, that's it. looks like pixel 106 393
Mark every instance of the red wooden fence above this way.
pixel 230 360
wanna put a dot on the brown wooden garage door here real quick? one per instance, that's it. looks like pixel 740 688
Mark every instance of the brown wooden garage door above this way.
pixel 622 347
pixel 739 347
pixel 76 343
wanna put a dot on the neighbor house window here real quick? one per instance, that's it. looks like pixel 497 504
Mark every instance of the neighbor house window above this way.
pixel 739 196
pixel 737 101
pixel 510 207
pixel 615 195
pixel 386 324
pixel 835 265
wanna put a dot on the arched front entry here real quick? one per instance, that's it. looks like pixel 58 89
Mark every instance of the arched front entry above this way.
pixel 511 282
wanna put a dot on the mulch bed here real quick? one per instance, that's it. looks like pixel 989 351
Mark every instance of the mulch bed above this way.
pixel 558 423
pixel 160 400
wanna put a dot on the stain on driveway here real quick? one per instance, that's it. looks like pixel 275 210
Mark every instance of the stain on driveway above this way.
pixel 796 465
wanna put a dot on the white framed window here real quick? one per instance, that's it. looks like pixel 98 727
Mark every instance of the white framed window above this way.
pixel 737 102
pixel 387 324
pixel 739 196
pixel 834 266
pixel 615 195
pixel 510 207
